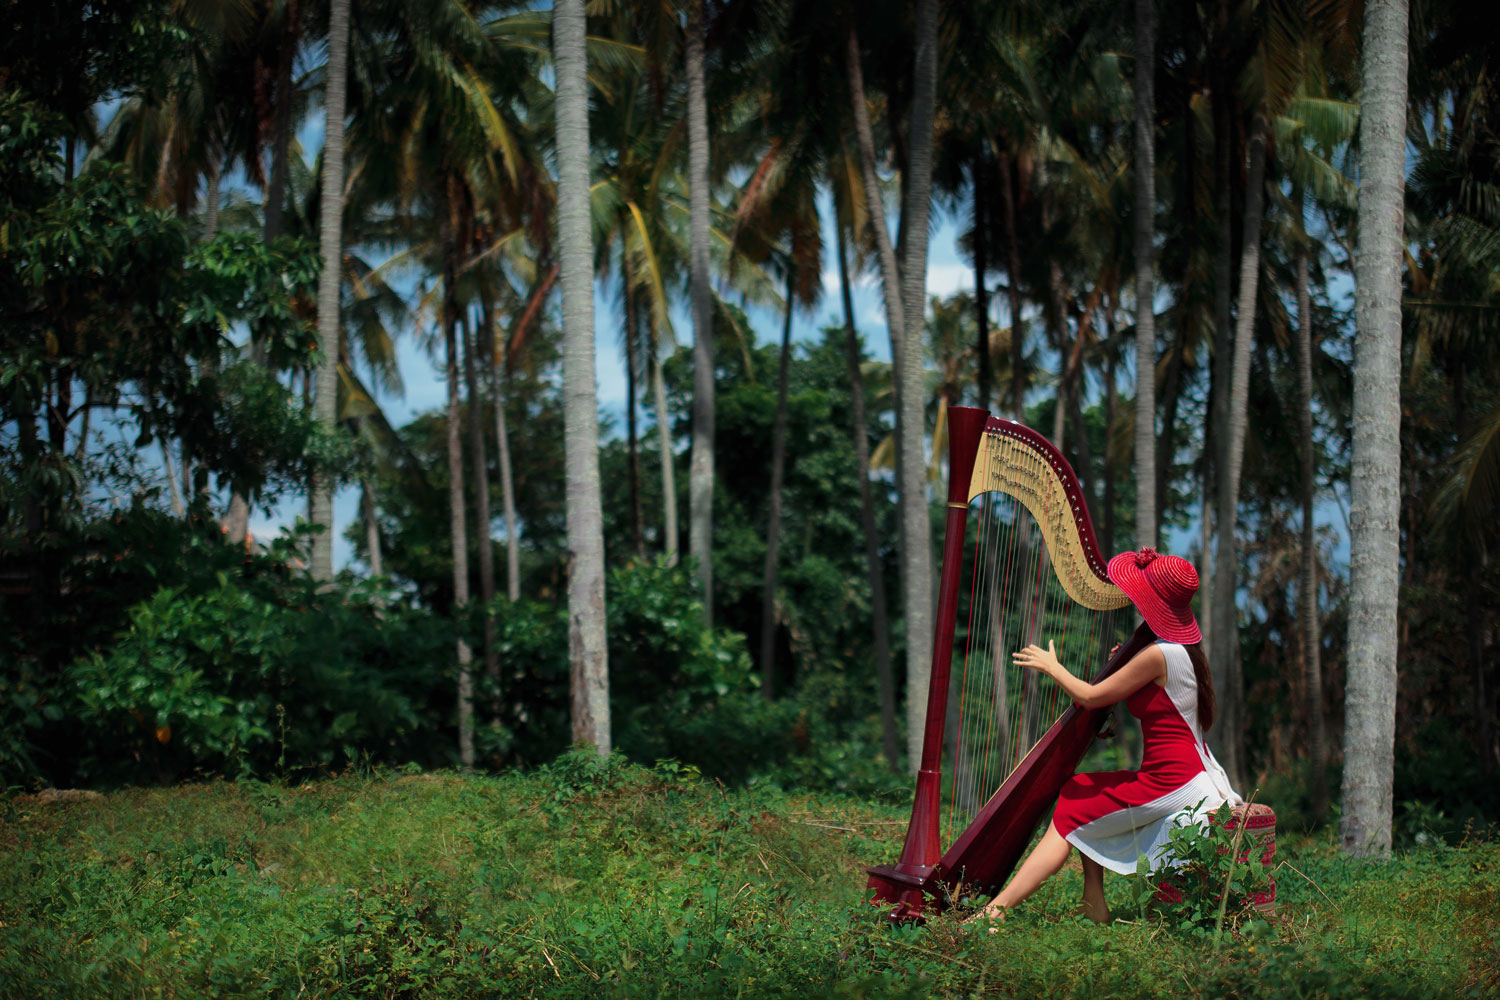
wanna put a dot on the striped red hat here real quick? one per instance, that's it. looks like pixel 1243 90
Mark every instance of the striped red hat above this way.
pixel 1162 588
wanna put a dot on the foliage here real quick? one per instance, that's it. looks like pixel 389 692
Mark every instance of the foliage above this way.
pixel 1209 884
pixel 597 877
pixel 239 682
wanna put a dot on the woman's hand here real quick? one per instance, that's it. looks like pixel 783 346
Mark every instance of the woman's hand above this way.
pixel 1036 658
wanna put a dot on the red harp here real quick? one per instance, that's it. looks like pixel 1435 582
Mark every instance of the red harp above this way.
pixel 1012 738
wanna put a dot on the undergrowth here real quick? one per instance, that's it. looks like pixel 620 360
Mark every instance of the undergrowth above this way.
pixel 595 878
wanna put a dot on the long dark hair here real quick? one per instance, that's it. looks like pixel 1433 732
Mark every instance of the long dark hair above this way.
pixel 1204 677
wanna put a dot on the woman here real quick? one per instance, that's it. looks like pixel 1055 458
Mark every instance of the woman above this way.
pixel 1115 817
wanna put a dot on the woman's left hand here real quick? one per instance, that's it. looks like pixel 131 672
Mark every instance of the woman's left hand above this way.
pixel 1036 658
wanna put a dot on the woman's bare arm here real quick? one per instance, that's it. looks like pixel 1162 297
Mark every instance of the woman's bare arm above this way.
pixel 1144 667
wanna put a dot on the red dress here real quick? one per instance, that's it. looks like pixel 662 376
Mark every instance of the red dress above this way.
pixel 1115 817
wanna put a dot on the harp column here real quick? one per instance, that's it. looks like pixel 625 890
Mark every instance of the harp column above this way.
pixel 901 883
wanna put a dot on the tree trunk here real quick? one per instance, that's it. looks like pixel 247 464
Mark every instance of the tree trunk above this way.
pixel 281 134
pixel 1307 588
pixel 237 520
pixel 773 517
pixel 166 458
pixel 1145 264
pixel 632 443
pixel 916 538
pixel 890 274
pixel 1473 619
pixel 701 471
pixel 1108 541
pixel 1057 320
pixel 885 678
pixel 1008 177
pixel 502 445
pixel 372 527
pixel 588 651
pixel 1224 144
pixel 479 463
pixel 1166 445
pixel 981 262
pixel 664 444
pixel 1370 694
pixel 458 533
pixel 1226 659
pixel 330 236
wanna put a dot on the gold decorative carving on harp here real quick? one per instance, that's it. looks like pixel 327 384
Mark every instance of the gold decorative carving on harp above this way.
pixel 1034 573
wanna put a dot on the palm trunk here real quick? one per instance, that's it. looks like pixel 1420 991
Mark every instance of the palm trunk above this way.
pixel 1225 612
pixel 479 462
pixel 372 527
pixel 282 124
pixel 588 650
pixel 1008 177
pixel 1307 588
pixel 1223 105
pixel 664 445
pixel 458 534
pixel 502 445
pixel 981 294
pixel 916 536
pixel 916 675
pixel 773 517
pixel 166 458
pixel 1166 450
pixel 638 543
pixel 1145 266
pixel 884 676
pixel 701 471
pixel 1370 695
pixel 330 236
pixel 211 203
pixel 1108 542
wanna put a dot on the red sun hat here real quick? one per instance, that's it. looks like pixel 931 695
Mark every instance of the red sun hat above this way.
pixel 1162 588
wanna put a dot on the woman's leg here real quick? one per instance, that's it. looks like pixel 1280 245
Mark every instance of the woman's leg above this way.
pixel 1094 906
pixel 1049 855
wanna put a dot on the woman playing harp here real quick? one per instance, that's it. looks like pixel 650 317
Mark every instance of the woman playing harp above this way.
pixel 1115 817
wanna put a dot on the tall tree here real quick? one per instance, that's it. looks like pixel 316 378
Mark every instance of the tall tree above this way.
pixel 1375 493
pixel 701 471
pixel 1307 586
pixel 773 515
pixel 1225 610
pixel 588 651
pixel 330 236
pixel 884 676
pixel 1145 254
pixel 457 529
pixel 916 535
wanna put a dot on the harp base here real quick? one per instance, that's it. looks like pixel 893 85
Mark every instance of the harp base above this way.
pixel 911 891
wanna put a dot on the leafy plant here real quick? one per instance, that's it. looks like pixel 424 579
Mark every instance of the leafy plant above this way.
pixel 1207 879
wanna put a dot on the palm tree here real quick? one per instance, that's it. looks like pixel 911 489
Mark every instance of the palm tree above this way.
pixel 588 652
pixel 1375 495
pixel 916 535
pixel 906 347
pixel 331 240
pixel 701 471
pixel 1145 294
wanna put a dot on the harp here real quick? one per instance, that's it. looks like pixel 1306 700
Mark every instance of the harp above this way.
pixel 1012 738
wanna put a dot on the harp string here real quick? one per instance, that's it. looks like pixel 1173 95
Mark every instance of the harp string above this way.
pixel 1016 598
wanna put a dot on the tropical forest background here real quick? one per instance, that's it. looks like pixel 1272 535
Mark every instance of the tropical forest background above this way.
pixel 235 242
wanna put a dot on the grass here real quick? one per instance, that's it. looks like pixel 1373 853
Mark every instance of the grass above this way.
pixel 594 881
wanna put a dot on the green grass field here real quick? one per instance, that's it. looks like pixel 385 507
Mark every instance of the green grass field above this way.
pixel 587 882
